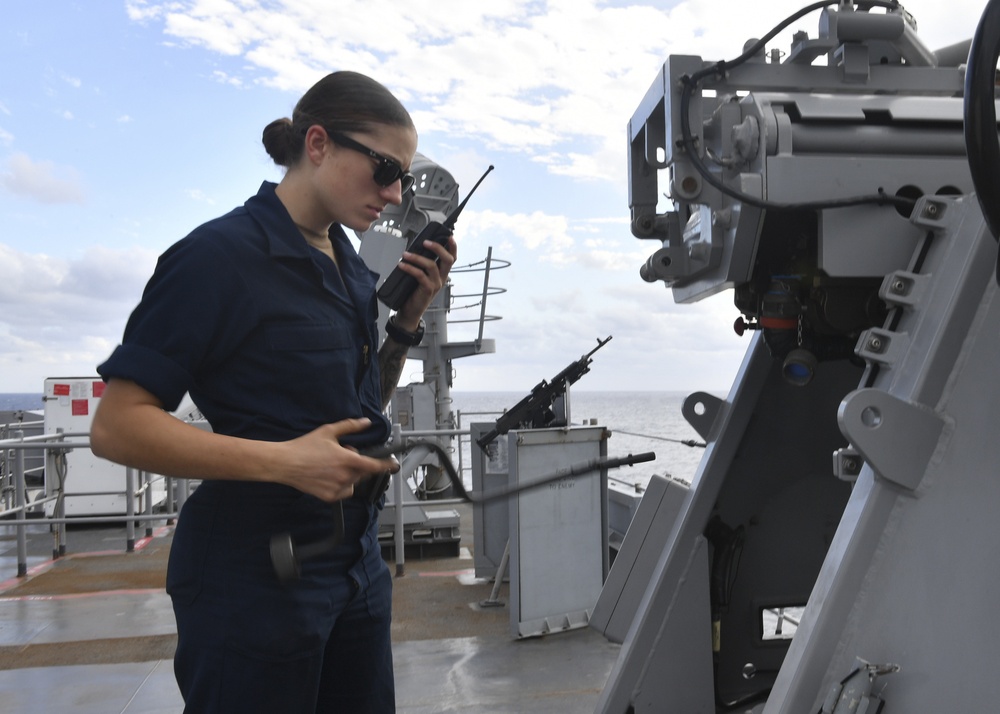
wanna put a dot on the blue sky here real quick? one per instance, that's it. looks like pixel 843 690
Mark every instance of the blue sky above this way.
pixel 126 123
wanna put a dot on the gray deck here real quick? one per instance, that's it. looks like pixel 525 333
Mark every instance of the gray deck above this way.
pixel 482 670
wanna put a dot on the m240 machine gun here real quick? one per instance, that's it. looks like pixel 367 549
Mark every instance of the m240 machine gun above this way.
pixel 535 410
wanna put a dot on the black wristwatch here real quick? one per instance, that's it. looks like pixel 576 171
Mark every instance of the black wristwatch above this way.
pixel 404 337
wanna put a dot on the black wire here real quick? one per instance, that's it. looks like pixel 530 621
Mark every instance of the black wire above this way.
pixel 982 145
pixel 720 68
pixel 287 555
pixel 980 114
pixel 513 489
pixel 689 84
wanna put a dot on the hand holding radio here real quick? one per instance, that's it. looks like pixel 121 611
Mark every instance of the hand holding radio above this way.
pixel 398 287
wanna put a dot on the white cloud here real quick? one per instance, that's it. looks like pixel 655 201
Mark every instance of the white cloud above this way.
pixel 550 82
pixel 556 73
pixel 41 181
pixel 142 11
pixel 225 78
pixel 554 239
pixel 549 235
pixel 57 284
pixel 6 138
pixel 556 80
pixel 197 194
pixel 60 317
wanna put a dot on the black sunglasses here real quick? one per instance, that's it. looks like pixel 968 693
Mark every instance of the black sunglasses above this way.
pixel 387 172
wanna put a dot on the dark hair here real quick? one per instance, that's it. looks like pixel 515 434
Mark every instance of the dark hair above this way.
pixel 341 101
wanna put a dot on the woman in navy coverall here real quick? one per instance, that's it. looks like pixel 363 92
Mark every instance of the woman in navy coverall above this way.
pixel 267 317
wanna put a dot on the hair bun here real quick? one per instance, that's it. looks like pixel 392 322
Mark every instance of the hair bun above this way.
pixel 279 141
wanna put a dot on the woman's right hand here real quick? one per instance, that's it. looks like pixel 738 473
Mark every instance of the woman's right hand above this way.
pixel 131 427
pixel 318 464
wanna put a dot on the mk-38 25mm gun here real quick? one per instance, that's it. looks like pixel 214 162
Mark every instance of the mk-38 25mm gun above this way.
pixel 836 550
pixel 535 410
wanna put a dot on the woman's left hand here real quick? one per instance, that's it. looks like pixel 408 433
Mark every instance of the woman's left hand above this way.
pixel 430 275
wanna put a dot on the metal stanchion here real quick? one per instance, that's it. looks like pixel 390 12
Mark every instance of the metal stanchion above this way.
pixel 397 496
pixel 147 502
pixel 130 509
pixel 19 504
pixel 183 492
pixel 494 598
pixel 56 458
pixel 170 484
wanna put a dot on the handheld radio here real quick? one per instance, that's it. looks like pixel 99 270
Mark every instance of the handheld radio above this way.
pixel 398 287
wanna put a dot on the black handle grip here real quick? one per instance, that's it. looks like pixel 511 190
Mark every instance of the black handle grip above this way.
pixel 398 287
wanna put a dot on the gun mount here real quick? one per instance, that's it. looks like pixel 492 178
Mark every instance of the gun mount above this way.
pixel 831 189
pixel 535 410
pixel 772 166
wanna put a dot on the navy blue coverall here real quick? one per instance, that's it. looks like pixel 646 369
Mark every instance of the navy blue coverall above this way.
pixel 271 341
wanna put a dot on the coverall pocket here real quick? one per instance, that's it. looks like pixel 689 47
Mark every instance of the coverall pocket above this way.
pixel 189 550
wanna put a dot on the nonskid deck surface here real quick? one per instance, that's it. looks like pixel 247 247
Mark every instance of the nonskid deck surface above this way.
pixel 94 632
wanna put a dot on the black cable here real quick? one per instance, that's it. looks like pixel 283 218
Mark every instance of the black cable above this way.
pixel 980 114
pixel 721 66
pixel 690 83
pixel 287 555
pixel 513 489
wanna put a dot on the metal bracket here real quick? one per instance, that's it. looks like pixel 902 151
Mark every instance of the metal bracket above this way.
pixel 701 411
pixel 903 289
pixel 853 695
pixel 896 438
pixel 847 464
pixel 929 212
pixel 882 346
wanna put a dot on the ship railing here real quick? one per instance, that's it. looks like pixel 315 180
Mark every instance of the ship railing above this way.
pixel 408 469
pixel 47 507
pixel 27 428
pixel 487 267
pixel 21 511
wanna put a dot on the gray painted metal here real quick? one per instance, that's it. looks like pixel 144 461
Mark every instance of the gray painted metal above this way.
pixel 891 550
pixel 767 465
pixel 558 532
pixel 490 520
pixel 644 541
pixel 907 575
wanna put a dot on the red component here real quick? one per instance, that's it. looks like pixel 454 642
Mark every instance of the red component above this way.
pixel 98 389
pixel 779 323
pixel 80 407
pixel 60 390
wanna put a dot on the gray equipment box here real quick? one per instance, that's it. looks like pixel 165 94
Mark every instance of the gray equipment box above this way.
pixel 636 561
pixel 558 532
pixel 491 520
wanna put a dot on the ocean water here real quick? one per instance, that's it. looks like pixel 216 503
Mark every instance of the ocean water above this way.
pixel 16 401
pixel 638 421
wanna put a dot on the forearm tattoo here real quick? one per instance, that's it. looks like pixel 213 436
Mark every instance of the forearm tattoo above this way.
pixel 391 357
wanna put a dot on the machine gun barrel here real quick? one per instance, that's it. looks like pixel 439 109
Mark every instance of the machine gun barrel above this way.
pixel 530 409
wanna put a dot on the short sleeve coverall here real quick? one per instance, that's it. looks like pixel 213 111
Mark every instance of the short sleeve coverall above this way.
pixel 271 340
